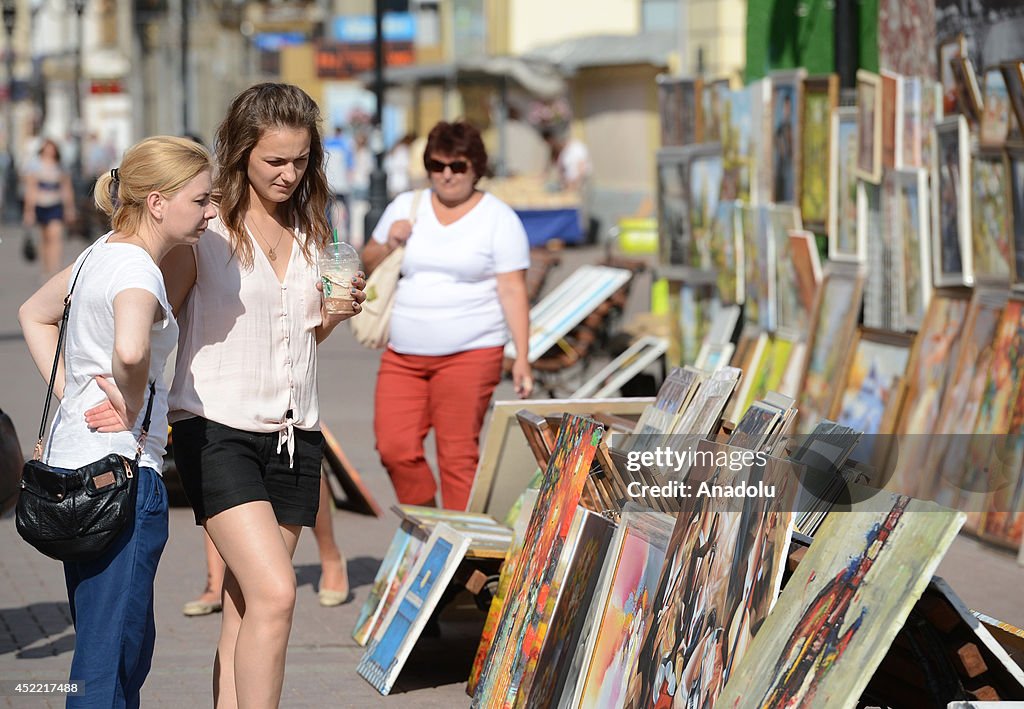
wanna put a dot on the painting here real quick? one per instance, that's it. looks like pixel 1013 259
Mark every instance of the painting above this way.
pixel 398 560
pixel 518 637
pixel 912 123
pixel 674 241
pixel 720 579
pixel 620 612
pixel 512 560
pixel 762 189
pixel 785 140
pixel 877 363
pixel 804 251
pixel 880 271
pixel 869 126
pixel 726 253
pixel 844 605
pixel 542 679
pixel 842 230
pixel 820 99
pixel 833 325
pixel 759 264
pixel 1003 511
pixel 704 182
pixel 949 52
pixel 713 99
pixel 1013 79
pixel 951 243
pixel 789 311
pixel 387 652
pixel 910 223
pixel 1015 198
pixel 679 104
pixel 968 91
pixel 995 118
pixel 891 125
pixel 737 145
pixel 906 36
pixel 990 217
pixel 769 372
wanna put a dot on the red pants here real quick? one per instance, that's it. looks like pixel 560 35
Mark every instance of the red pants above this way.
pixel 448 393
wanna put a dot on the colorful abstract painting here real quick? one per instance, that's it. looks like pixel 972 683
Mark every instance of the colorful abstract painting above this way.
pixel 721 576
pixel 990 217
pixel 393 641
pixel 844 605
pixel 620 613
pixel 518 637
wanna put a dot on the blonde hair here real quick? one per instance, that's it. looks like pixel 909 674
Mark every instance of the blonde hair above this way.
pixel 163 164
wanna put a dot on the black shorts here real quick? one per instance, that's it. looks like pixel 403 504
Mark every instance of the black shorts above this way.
pixel 221 467
pixel 45 215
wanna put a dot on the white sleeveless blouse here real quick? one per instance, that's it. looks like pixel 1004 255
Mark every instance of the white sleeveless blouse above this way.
pixel 247 341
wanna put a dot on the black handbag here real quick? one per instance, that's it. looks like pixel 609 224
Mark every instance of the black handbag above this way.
pixel 74 515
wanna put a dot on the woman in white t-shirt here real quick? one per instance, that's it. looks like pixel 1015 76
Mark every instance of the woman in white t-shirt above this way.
pixel 119 334
pixel 462 292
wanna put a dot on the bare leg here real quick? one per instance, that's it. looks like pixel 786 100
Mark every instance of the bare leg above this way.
pixel 334 588
pixel 259 601
pixel 51 250
pixel 210 599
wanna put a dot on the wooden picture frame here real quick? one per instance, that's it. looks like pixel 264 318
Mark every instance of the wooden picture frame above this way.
pixel 912 198
pixel 842 230
pixel 891 109
pixel 951 204
pixel 997 114
pixel 784 126
pixel 884 338
pixel 1015 198
pixel 348 490
pixel 910 130
pixel 968 92
pixel 819 100
pixel 869 126
pixel 681 110
pixel 1013 75
pixel 946 51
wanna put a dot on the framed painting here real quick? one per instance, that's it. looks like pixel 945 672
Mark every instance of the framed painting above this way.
pixel 910 223
pixel 674 238
pixel 803 248
pixel 1013 76
pixel 785 136
pixel 726 253
pixel 990 219
pixel 679 105
pixel 951 200
pixel 877 364
pixel 763 160
pixel 950 50
pixel 877 287
pixel 704 181
pixel 820 99
pixel 843 244
pixel 789 311
pixel 759 265
pixel 995 118
pixel 399 559
pixel 969 90
pixel 869 126
pixel 911 118
pixel 714 96
pixel 387 652
pixel 1015 198
pixel 833 325
pixel 891 109
pixel 737 145
pixel 851 594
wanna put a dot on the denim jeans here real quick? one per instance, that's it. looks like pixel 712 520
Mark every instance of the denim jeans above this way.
pixel 112 606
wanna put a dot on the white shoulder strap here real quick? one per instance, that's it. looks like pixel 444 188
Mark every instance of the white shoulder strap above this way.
pixel 415 208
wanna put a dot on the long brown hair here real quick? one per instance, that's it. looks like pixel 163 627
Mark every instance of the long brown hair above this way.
pixel 256 110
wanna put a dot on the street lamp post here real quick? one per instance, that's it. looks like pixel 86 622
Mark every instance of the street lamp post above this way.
pixel 378 178
pixel 76 167
pixel 11 173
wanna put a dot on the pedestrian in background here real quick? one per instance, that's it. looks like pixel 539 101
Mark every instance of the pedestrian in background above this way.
pixel 49 204
pixel 243 404
pixel 462 291
pixel 339 156
pixel 119 335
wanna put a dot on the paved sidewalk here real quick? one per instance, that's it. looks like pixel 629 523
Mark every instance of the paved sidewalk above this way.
pixel 36 638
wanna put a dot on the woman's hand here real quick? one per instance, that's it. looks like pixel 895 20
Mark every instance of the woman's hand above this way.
pixel 113 414
pixel 399 233
pixel 522 377
pixel 350 307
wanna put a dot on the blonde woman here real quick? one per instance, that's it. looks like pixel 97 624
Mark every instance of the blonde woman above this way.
pixel 119 334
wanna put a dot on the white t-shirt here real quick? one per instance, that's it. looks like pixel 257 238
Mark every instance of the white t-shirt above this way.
pixel 88 352
pixel 574 161
pixel 447 298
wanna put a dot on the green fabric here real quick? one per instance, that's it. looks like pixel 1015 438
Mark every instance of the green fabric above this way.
pixel 786 34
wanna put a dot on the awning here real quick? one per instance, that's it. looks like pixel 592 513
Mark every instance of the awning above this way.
pixel 569 56
pixel 537 77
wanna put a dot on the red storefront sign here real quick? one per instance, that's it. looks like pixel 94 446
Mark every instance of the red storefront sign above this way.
pixel 339 60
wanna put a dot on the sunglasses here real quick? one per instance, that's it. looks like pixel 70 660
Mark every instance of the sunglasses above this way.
pixel 456 166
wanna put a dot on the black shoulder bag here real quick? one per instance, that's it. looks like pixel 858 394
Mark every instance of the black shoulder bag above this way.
pixel 74 515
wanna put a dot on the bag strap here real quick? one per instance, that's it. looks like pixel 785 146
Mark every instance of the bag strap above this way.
pixel 415 208
pixel 38 451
